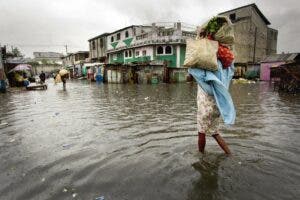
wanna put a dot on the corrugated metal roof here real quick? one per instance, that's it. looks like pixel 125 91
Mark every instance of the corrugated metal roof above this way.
pixel 281 57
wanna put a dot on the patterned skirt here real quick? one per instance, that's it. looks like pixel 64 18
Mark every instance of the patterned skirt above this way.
pixel 208 115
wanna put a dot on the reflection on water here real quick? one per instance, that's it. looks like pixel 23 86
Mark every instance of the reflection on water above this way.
pixel 206 187
pixel 139 142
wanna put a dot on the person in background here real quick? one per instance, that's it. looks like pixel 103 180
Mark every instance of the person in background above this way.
pixel 42 77
pixel 64 80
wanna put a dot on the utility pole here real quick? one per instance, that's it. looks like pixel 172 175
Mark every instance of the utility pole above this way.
pixel 66 49
pixel 255 34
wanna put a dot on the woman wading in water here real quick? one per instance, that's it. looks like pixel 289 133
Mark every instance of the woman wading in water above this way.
pixel 213 99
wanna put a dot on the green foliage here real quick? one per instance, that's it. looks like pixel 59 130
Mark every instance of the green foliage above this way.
pixel 44 62
pixel 33 63
pixel 214 25
pixel 16 52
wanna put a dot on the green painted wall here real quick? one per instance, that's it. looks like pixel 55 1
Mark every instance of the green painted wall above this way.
pixel 128 41
pixel 114 44
pixel 170 58
pixel 120 58
pixel 138 59
pixel 182 54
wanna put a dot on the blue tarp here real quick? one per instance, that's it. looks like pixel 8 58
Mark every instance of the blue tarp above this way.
pixel 217 84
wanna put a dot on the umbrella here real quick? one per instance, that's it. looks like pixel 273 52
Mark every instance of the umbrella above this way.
pixel 21 67
pixel 63 72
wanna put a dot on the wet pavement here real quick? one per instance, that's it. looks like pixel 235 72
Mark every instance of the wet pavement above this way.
pixel 139 142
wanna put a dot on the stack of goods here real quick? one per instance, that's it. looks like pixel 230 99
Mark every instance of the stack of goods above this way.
pixel 212 43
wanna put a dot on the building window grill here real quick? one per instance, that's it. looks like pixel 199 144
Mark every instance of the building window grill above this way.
pixel 160 50
pixel 168 50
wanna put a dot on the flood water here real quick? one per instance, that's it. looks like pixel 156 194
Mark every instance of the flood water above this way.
pixel 125 142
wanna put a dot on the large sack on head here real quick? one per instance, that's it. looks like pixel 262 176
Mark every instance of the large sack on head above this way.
pixel 201 53
pixel 57 78
pixel 225 34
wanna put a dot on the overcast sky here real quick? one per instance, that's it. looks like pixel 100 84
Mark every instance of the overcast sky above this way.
pixel 47 25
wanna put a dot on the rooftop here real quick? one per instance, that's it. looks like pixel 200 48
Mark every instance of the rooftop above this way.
pixel 101 35
pixel 284 57
pixel 253 5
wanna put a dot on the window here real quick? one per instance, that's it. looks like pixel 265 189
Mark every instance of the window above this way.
pixel 137 53
pixel 118 36
pixel 114 56
pixel 101 43
pixel 160 50
pixel 128 53
pixel 232 17
pixel 112 39
pixel 126 34
pixel 93 45
pixel 168 50
pixel 144 52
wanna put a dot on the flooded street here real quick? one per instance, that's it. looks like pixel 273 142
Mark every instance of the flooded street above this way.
pixel 140 142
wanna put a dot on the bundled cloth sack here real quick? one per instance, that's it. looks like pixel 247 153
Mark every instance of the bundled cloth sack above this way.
pixel 212 43
pixel 225 35
pixel 57 78
pixel 201 53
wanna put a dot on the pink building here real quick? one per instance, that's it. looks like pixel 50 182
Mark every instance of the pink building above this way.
pixel 275 61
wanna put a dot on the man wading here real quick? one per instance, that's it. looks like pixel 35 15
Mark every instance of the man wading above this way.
pixel 211 64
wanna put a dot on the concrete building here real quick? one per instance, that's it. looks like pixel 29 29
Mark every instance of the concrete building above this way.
pixel 139 53
pixel 97 47
pixel 48 57
pixel 275 60
pixel 75 58
pixel 156 43
pixel 74 62
pixel 254 39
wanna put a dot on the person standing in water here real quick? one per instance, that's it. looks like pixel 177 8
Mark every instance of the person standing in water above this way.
pixel 64 80
pixel 208 119
pixel 42 77
pixel 213 98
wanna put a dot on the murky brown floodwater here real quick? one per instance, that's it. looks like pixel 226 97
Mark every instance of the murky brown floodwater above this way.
pixel 139 142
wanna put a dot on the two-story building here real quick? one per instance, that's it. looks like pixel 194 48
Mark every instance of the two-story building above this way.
pixel 153 45
pixel 254 39
pixel 75 61
pixel 98 47
pixel 48 57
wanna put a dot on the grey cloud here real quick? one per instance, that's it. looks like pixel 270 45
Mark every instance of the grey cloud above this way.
pixel 59 22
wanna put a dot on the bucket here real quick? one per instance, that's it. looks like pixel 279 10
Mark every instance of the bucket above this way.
pixel 154 80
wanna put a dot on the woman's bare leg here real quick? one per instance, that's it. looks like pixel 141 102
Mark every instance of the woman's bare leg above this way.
pixel 201 142
pixel 222 143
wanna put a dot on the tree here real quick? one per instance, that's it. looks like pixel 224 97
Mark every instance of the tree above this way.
pixel 44 61
pixel 16 52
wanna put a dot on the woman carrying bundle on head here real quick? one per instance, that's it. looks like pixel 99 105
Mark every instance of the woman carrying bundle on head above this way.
pixel 210 61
